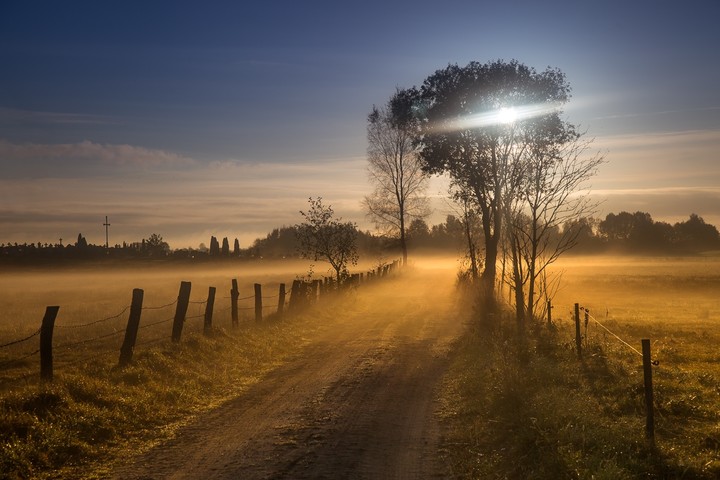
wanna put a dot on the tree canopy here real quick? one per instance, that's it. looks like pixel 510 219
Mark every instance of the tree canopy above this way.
pixel 478 124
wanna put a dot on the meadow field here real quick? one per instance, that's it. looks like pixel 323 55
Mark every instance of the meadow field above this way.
pixel 511 407
pixel 531 409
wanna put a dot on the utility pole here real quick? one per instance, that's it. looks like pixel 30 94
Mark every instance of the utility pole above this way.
pixel 107 225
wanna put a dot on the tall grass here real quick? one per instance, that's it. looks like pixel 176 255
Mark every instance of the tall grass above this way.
pixel 91 414
pixel 527 407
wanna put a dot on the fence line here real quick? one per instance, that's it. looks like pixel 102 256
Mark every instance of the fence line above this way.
pixel 306 294
pixel 647 364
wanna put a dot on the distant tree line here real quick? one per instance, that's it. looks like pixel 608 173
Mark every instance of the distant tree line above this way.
pixel 639 233
pixel 624 232
pixel 284 242
pixel 151 247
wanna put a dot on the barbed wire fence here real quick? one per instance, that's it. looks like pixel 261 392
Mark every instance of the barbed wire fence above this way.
pixel 645 353
pixel 63 345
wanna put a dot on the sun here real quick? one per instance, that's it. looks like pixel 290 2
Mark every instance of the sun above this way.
pixel 507 115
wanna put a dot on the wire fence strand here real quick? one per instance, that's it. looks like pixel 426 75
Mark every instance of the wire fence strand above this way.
pixel 88 340
pixel 148 325
pixel 20 340
pixel 613 333
pixel 18 359
pixel 161 306
pixel 80 325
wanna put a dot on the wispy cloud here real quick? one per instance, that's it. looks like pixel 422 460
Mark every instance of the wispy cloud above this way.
pixel 660 191
pixel 666 159
pixel 657 113
pixel 14 116
pixel 186 206
pixel 73 157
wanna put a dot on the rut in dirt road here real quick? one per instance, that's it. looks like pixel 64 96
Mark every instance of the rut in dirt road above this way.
pixel 358 402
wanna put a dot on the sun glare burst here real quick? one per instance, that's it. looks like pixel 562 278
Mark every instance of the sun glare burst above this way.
pixel 501 116
pixel 507 115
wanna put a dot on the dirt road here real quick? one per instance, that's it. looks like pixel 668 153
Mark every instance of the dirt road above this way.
pixel 358 402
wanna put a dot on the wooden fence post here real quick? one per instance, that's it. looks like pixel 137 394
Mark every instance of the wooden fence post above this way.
pixel 587 320
pixel 549 314
pixel 234 295
pixel 207 326
pixel 295 295
pixel 315 290
pixel 183 302
pixel 258 302
pixel 649 409
pixel 578 337
pixel 131 331
pixel 281 300
pixel 46 334
pixel 303 294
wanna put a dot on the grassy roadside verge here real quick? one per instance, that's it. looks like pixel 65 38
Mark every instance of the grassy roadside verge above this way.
pixel 88 418
pixel 530 409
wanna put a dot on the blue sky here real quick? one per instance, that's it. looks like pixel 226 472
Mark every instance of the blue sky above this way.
pixel 193 120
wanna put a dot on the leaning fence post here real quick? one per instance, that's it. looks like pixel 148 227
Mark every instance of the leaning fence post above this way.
pixel 181 310
pixel 294 295
pixel 649 409
pixel 207 326
pixel 281 300
pixel 234 295
pixel 46 334
pixel 258 302
pixel 578 337
pixel 128 346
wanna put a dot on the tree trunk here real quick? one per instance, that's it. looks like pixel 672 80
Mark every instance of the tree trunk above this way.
pixel 403 240
pixel 518 284
pixel 471 245
pixel 487 279
pixel 489 272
